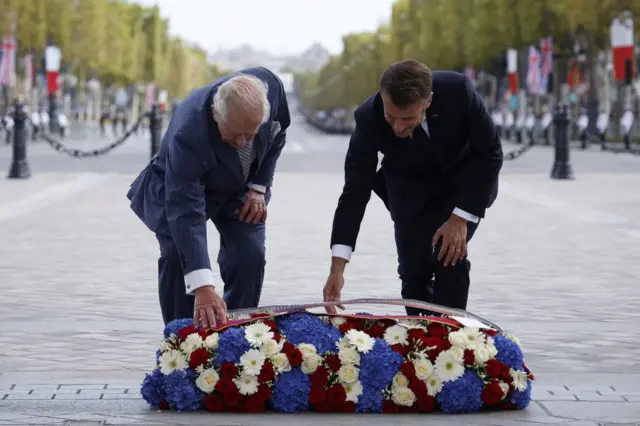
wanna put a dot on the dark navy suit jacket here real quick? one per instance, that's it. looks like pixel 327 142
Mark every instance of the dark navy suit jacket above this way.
pixel 195 174
pixel 464 173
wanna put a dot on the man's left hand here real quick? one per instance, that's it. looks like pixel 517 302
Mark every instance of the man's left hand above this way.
pixel 454 240
pixel 254 209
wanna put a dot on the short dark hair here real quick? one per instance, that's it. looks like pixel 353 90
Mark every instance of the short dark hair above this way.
pixel 407 82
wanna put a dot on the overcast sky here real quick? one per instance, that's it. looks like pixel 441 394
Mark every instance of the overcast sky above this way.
pixel 279 26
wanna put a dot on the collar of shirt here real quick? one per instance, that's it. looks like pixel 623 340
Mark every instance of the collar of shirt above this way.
pixel 425 127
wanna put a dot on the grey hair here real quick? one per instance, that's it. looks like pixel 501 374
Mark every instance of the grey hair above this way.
pixel 244 91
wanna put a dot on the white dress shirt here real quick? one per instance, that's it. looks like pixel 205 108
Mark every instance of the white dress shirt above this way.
pixel 344 251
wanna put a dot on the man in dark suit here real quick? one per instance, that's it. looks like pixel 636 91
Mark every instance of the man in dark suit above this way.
pixel 442 157
pixel 217 161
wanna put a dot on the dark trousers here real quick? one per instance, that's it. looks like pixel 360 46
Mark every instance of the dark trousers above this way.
pixel 242 263
pixel 423 276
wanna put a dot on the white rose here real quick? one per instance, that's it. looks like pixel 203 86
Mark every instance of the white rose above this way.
pixel 459 339
pixel 457 352
pixel 423 368
pixel 307 350
pixel 505 389
pixel 281 362
pixel 491 347
pixel 403 396
pixel 400 380
pixel 337 321
pixel 482 355
pixel 310 364
pixel 270 348
pixel 191 343
pixel 349 356
pixel 207 380
pixel 211 342
pixel 348 374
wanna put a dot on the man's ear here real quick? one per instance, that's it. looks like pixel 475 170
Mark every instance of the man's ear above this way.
pixel 429 100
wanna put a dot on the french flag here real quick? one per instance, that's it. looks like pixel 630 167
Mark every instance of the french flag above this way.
pixel 512 70
pixel 622 46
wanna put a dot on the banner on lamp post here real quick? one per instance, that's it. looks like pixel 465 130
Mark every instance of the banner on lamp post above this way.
pixel 622 47
pixel 52 60
pixel 512 70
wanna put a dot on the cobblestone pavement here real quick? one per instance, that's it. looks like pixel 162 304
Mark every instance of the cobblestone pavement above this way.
pixel 554 262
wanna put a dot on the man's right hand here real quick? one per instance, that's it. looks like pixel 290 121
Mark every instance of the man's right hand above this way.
pixel 209 306
pixel 332 290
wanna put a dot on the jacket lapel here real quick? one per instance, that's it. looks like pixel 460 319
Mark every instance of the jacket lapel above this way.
pixel 227 154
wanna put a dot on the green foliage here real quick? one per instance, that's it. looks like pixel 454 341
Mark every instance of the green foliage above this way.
pixel 451 34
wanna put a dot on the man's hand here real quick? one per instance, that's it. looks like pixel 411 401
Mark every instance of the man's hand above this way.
pixel 209 306
pixel 454 240
pixel 254 209
pixel 332 290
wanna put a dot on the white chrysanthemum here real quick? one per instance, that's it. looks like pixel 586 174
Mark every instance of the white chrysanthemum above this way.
pixel 449 366
pixel 519 379
pixel 411 323
pixel 511 337
pixel 247 384
pixel 423 368
pixel 307 350
pixel 481 355
pixel 457 352
pixel 434 385
pixel 361 340
pixel 396 335
pixel 165 346
pixel 211 342
pixel 353 390
pixel 207 380
pixel 252 362
pixel 171 361
pixel 337 321
pixel 349 356
pixel 191 343
pixel 505 389
pixel 491 347
pixel 281 363
pixel 258 333
pixel 400 381
pixel 343 343
pixel 271 348
pixel 474 336
pixel 310 364
pixel 403 396
pixel 348 374
pixel 459 339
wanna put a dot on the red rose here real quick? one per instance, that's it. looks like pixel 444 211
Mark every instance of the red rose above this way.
pixel 276 336
pixel 264 391
pixel 164 405
pixel 213 402
pixel 430 342
pixel 336 395
pixel 469 357
pixel 418 387
pixel 492 393
pixel 287 347
pixel 295 358
pixel 266 373
pixel 376 331
pixel 317 396
pixel 323 407
pixel 494 368
pixel 226 386
pixel 253 404
pixel 389 406
pixel 507 405
pixel 531 377
pixel 505 374
pixel 271 324
pixel 445 345
pixel 358 323
pixel 401 349
pixel 232 399
pixel 183 333
pixel 426 404
pixel 228 370
pixel 408 370
pixel 198 357
pixel 203 334
pixel 416 334
pixel 490 332
pixel 333 361
pixel 437 330
pixel 346 327
pixel 320 377
pixel 348 407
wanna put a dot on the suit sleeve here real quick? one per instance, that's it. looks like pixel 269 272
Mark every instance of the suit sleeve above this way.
pixel 360 168
pixel 264 176
pixel 185 205
pixel 481 170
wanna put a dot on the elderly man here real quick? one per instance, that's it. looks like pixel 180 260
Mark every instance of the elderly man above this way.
pixel 217 161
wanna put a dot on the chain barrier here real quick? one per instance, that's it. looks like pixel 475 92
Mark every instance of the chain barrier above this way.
pixel 621 150
pixel 77 153
pixel 517 153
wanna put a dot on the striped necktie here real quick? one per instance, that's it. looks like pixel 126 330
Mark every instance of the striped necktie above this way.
pixel 245 154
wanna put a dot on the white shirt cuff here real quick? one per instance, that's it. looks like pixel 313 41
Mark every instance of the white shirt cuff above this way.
pixel 467 216
pixel 259 188
pixel 196 279
pixel 340 250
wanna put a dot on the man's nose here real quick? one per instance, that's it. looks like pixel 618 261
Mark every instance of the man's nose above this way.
pixel 398 127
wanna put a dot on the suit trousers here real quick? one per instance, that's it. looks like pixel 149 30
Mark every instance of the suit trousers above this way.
pixel 423 277
pixel 242 263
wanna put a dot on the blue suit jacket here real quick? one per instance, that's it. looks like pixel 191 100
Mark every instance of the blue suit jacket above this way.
pixel 195 173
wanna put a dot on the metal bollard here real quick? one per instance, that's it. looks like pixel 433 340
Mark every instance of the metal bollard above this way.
pixel 155 128
pixel 19 166
pixel 561 166
pixel 53 114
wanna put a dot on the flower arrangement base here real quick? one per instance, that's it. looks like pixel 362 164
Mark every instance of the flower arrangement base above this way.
pixel 289 359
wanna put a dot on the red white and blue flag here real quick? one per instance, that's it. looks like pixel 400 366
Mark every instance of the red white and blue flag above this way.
pixel 7 59
pixel 534 75
pixel 546 67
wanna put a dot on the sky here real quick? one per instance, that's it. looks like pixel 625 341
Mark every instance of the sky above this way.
pixel 277 26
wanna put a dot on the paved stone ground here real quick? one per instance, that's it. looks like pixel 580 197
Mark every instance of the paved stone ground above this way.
pixel 555 262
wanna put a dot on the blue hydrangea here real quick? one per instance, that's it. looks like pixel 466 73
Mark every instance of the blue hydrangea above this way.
pixel 152 388
pixel 291 392
pixel 463 395
pixel 306 328
pixel 509 353
pixel 181 392
pixel 522 399
pixel 174 326
pixel 377 369
pixel 232 345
